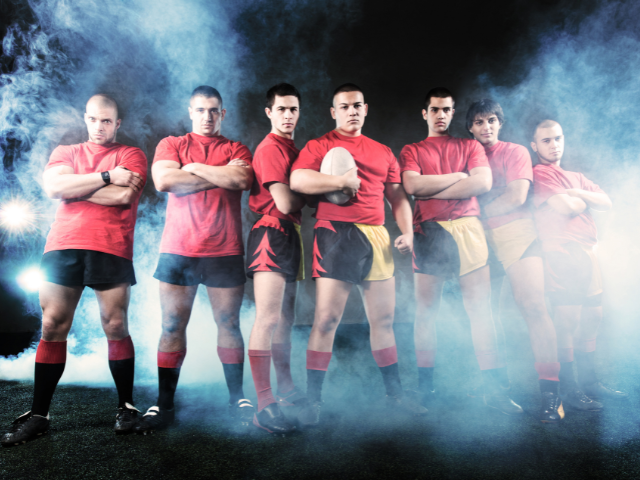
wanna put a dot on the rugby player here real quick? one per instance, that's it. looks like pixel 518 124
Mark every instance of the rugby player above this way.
pixel 205 174
pixel 563 202
pixel 90 243
pixel 445 174
pixel 352 246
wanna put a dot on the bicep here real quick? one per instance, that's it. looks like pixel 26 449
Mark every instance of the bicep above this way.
pixel 393 192
pixel 484 172
pixel 53 172
pixel 161 167
pixel 519 188
pixel 561 203
pixel 280 192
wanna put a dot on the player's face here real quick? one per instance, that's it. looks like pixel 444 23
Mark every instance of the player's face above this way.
pixel 439 115
pixel 485 129
pixel 349 111
pixel 102 123
pixel 284 115
pixel 206 116
pixel 548 143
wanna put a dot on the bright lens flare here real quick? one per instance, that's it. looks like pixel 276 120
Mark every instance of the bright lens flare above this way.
pixel 16 215
pixel 31 279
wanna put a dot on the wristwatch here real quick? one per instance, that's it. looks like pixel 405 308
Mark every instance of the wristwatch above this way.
pixel 106 177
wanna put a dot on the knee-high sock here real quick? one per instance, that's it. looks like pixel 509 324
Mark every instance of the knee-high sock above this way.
pixel 281 354
pixel 122 366
pixel 548 376
pixel 585 361
pixel 317 366
pixel 169 364
pixel 260 361
pixel 387 360
pixel 233 365
pixel 51 358
pixel 426 360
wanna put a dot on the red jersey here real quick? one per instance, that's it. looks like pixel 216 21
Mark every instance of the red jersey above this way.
pixel 87 226
pixel 439 156
pixel 272 164
pixel 508 162
pixel 207 223
pixel 376 166
pixel 554 228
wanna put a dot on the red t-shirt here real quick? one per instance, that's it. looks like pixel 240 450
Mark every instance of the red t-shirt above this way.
pixel 376 166
pixel 508 162
pixel 554 228
pixel 87 226
pixel 207 223
pixel 272 164
pixel 439 156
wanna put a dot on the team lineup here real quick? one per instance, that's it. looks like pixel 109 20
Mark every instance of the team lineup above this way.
pixel 482 212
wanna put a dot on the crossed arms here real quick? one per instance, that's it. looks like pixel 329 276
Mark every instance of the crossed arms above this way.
pixel 168 176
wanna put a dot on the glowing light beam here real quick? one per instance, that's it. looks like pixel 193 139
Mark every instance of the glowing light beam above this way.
pixel 31 279
pixel 16 215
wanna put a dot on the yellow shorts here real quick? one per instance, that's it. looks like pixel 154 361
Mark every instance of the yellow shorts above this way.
pixel 509 242
pixel 572 274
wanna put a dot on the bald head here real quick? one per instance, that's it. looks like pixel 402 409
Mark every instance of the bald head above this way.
pixel 102 119
pixel 102 100
pixel 545 124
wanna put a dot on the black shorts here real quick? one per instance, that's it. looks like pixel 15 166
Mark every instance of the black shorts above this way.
pixel 79 268
pixel 216 272
pixel 275 245
pixel 572 275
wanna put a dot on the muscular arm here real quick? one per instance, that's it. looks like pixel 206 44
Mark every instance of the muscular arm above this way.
pixel 286 200
pixel 427 185
pixel 512 197
pixel 237 175
pixel 168 177
pixel 567 205
pixel 397 198
pixel 111 195
pixel 478 182
pixel 61 183
pixel 597 201
pixel 310 182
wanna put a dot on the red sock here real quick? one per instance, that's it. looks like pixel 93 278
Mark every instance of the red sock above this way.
pixel 121 349
pixel 386 356
pixel 548 370
pixel 426 358
pixel 171 359
pixel 231 355
pixel 281 354
pixel 260 361
pixel 318 360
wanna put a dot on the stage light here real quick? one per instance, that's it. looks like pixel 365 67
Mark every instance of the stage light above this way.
pixel 31 279
pixel 16 215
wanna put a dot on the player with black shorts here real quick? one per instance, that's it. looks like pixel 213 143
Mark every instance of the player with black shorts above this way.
pixel 513 240
pixel 90 243
pixel 204 174
pixel 274 260
pixel 563 201
pixel 445 174
pixel 352 246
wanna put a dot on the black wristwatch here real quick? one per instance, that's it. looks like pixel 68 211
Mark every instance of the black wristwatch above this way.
pixel 106 177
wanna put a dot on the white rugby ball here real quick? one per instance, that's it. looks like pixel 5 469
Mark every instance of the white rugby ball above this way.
pixel 337 161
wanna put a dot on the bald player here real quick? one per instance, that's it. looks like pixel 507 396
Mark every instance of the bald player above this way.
pixel 352 247
pixel 563 202
pixel 204 174
pixel 90 243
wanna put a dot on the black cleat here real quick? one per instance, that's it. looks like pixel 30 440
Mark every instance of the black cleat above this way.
pixel 309 416
pixel 156 418
pixel 294 398
pixel 601 392
pixel 478 391
pixel 126 419
pixel 402 403
pixel 271 419
pixel 25 428
pixel 578 400
pixel 551 410
pixel 503 403
pixel 242 411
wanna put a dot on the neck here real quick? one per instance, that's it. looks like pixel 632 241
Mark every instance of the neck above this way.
pixel 437 134
pixel 288 136
pixel 357 133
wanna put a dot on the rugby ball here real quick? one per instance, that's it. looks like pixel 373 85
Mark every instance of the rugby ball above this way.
pixel 337 161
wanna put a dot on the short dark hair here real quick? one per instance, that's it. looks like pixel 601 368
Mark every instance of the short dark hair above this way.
pixel 484 108
pixel 546 123
pixel 346 87
pixel 207 92
pixel 281 90
pixel 438 92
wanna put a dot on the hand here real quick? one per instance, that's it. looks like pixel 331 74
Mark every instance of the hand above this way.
pixel 404 243
pixel 574 192
pixel 190 168
pixel 351 182
pixel 238 162
pixel 122 177
pixel 462 175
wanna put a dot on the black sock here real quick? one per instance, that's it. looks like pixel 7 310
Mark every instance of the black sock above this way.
pixel 391 379
pixel 548 386
pixel 586 367
pixel 122 372
pixel 503 377
pixel 233 375
pixel 167 384
pixel 425 379
pixel 46 379
pixel 314 384
pixel 567 379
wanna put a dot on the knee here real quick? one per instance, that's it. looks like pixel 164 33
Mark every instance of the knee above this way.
pixel 115 324
pixel 267 322
pixel 173 325
pixel 229 321
pixel 327 323
pixel 535 311
pixel 383 322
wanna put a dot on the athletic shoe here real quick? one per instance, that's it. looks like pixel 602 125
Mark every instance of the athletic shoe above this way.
pixel 294 398
pixel 25 428
pixel 503 403
pixel 271 419
pixel 126 419
pixel 578 400
pixel 309 416
pixel 402 403
pixel 156 418
pixel 602 392
pixel 242 411
pixel 551 410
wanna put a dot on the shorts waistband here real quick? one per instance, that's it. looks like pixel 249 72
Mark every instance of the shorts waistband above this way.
pixel 283 222
pixel 455 221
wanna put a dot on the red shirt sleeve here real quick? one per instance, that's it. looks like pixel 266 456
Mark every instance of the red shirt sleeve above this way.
pixel 241 152
pixel 273 166
pixel 519 166
pixel 62 155
pixel 393 175
pixel 589 186
pixel 167 150
pixel 310 157
pixel 136 161
pixel 545 185
pixel 409 160
pixel 477 156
